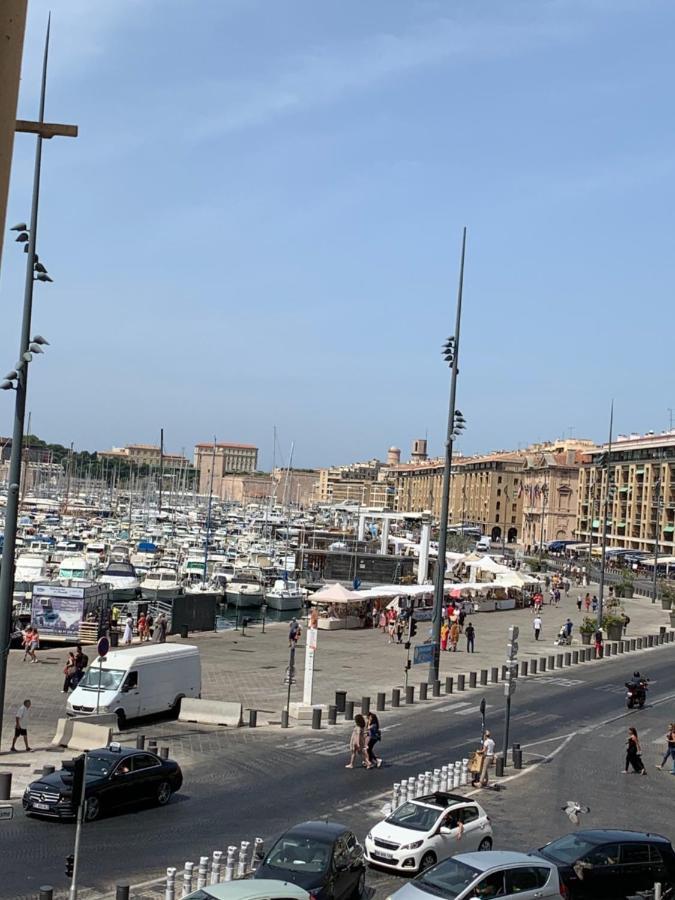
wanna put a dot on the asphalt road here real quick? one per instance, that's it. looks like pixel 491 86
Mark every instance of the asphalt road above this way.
pixel 270 780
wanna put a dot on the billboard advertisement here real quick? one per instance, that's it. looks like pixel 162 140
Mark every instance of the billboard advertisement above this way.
pixel 57 615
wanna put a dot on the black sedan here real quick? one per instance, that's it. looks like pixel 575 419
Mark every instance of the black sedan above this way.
pixel 609 864
pixel 324 858
pixel 116 777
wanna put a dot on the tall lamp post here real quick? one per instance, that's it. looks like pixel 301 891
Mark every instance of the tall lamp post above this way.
pixel 609 494
pixel 35 271
pixel 657 529
pixel 455 426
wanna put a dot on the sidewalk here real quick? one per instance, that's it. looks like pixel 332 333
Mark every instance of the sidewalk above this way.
pixel 251 668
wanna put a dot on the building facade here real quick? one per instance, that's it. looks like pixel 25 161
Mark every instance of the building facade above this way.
pixel 550 482
pixel 486 492
pixel 145 455
pixel 638 484
pixel 225 459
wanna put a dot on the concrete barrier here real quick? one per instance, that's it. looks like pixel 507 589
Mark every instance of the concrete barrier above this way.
pixel 210 712
pixel 64 730
pixel 88 736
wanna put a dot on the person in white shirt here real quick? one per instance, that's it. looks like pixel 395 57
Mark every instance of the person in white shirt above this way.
pixel 536 625
pixel 21 725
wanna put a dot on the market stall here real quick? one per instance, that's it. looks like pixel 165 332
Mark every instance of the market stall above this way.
pixel 338 608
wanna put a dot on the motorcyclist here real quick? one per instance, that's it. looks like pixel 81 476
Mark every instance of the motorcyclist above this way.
pixel 637 686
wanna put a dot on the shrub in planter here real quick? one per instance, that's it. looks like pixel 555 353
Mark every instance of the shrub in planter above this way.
pixel 587 629
pixel 613 625
pixel 626 585
pixel 667 597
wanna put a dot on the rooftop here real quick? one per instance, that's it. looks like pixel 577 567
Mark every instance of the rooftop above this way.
pixel 225 445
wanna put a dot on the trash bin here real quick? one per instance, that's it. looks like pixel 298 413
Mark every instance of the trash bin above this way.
pixel 114 637
pixel 183 631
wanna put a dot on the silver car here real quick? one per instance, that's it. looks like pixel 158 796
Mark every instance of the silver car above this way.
pixel 478 876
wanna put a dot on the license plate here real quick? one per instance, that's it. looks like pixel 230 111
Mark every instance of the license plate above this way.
pixel 384 854
pixel 41 805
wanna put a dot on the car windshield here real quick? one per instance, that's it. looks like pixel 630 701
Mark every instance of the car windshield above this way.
pixel 448 879
pixel 568 849
pixel 111 679
pixel 299 854
pixel 99 765
pixel 414 816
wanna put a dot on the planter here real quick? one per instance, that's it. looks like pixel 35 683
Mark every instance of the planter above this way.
pixel 666 603
pixel 626 591
pixel 586 637
pixel 615 632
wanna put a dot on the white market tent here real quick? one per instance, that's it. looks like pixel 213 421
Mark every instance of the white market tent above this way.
pixel 335 593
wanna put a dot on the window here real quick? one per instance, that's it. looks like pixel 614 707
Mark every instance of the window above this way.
pixel 498 505
pixel 607 855
pixel 499 479
pixel 490 886
pixel 468 814
pixel 499 491
pixel 527 878
pixel 143 761
pixel 131 681
pixel 634 853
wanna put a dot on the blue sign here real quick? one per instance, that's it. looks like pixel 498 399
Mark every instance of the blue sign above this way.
pixel 422 653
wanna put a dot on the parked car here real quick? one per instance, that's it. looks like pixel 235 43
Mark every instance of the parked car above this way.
pixel 116 776
pixel 245 889
pixel 324 858
pixel 423 831
pixel 600 864
pixel 495 873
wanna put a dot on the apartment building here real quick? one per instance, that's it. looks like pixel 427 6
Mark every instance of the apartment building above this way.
pixel 144 455
pixel 225 459
pixel 486 491
pixel 640 477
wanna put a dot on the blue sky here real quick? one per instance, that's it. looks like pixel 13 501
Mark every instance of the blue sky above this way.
pixel 260 222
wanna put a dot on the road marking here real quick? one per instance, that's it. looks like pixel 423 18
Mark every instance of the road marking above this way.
pixel 472 710
pixel 560 682
pixel 413 756
pixel 452 707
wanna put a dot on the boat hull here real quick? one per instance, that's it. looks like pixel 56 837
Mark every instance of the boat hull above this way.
pixel 284 604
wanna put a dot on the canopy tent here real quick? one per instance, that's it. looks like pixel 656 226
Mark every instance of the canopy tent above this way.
pixel 336 593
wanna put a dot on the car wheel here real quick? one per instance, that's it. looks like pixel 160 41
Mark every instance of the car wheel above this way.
pixel 92 809
pixel 485 844
pixel 360 886
pixel 164 793
pixel 428 860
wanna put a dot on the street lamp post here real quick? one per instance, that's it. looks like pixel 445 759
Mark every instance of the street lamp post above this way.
pixel 605 512
pixel 657 525
pixel 455 425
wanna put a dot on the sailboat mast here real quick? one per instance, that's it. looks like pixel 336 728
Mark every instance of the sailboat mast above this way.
pixel 208 511
pixel 161 467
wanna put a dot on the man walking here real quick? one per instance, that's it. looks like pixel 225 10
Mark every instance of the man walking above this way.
pixel 470 633
pixel 294 633
pixel 536 625
pixel 21 725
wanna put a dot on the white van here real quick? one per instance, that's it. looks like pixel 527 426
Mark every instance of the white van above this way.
pixel 139 681
pixel 483 543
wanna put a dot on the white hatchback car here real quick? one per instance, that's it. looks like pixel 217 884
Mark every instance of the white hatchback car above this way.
pixel 423 831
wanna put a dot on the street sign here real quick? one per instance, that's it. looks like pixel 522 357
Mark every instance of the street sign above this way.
pixel 509 687
pixel 103 646
pixel 6 813
pixel 422 653
pixel 512 649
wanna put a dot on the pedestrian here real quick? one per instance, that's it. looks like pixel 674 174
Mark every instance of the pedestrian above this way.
pixel 399 631
pixel 34 644
pixel 568 627
pixel 634 753
pixel 536 626
pixel 21 725
pixel 486 755
pixel 670 749
pixel 454 636
pixel 128 635
pixel 383 621
pixel 626 622
pixel 357 740
pixel 445 634
pixel 26 638
pixel 373 735
pixel 294 632
pixel 598 643
pixel 470 634
pixel 159 635
pixel 594 603
pixel 68 672
pixel 140 625
pixel 587 602
pixel 149 623
pixel 460 620
pixel 579 602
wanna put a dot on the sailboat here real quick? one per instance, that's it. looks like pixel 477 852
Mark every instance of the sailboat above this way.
pixel 200 587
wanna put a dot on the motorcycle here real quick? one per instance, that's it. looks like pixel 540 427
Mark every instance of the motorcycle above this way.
pixel 636 694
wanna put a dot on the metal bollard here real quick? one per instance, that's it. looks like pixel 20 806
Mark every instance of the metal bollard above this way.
pixel 47 892
pixel 140 742
pixel 639 643
pixel 424 687
pixel 650 640
pixel 284 718
pixel 202 872
pixel 523 667
pixel 5 785
pixel 349 709
pixel 460 682
pixel 316 718
pixel 551 662
pixel 517 758
pixel 381 701
pixel 258 850
pixel 121 892
pixel 559 660
pixel 494 675
pixel 170 889
pixel 449 681
pixel 436 689
pixel 465 772
pixel 575 657
pixel 252 718
pixel 243 859
pixel 473 677
pixel 633 644
pixel 332 714
pixel 187 878
pixel 230 862
pixel 499 767
pixel 568 659
pixel 483 676
pixel 365 705
pixel 395 698
pixel 410 694
pixel 608 649
pixel 542 664
pixel 533 666
pixel 215 866
pixel 396 796
pixel 163 752
pixel 340 700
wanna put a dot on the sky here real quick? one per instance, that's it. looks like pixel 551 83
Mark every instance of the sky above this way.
pixel 260 222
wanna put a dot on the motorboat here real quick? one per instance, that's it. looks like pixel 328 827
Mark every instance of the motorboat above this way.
pixel 161 584
pixel 285 595
pixel 122 578
pixel 204 590
pixel 244 592
pixel 77 568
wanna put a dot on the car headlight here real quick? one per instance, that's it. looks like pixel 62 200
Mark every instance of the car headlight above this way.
pixel 414 846
pixel 369 836
pixel 26 792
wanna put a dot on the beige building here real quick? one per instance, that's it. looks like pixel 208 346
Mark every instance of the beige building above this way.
pixel 641 483
pixel 550 483
pixel 486 492
pixel 350 483
pixel 244 489
pixel 297 486
pixel 226 459
pixel 144 455
pixel 418 486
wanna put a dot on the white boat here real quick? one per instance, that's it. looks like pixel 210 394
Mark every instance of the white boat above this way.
pixel 122 578
pixel 285 595
pixel 161 584
pixel 244 593
pixel 204 591
pixel 30 567
pixel 77 568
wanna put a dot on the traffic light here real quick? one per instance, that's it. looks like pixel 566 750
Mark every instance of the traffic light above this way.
pixel 70 864
pixel 413 627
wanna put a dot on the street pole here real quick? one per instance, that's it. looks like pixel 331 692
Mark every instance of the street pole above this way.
pixel 544 498
pixel 605 513
pixel 14 476
pixel 12 29
pixel 656 533
pixel 161 467
pixel 72 895
pixel 434 665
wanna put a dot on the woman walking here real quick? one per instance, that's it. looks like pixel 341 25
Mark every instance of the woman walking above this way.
pixel 128 631
pixel 454 636
pixel 68 672
pixel 373 736
pixel 445 634
pixel 33 645
pixel 634 753
pixel 670 749
pixel 357 740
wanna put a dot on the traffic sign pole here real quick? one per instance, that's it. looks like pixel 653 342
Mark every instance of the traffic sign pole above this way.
pixel 102 648
pixel 510 682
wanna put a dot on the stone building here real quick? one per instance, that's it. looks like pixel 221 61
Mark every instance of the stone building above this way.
pixel 227 459
pixel 144 455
